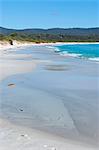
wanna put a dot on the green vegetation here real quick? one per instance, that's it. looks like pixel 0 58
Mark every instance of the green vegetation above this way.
pixel 38 38
pixel 51 35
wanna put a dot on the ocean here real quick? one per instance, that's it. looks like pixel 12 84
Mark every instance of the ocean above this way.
pixel 88 51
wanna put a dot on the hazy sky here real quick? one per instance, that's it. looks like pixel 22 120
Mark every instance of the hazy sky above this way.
pixel 49 13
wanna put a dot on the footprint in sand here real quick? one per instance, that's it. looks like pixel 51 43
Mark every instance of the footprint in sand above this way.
pixel 24 136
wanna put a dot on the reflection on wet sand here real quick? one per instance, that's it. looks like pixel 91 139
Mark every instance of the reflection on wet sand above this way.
pixel 57 67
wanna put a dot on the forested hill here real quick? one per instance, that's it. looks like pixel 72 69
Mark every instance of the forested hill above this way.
pixel 68 31
pixel 52 35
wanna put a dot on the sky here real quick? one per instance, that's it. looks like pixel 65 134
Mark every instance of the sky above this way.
pixel 20 14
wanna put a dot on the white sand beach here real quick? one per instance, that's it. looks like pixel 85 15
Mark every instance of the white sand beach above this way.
pixel 26 81
pixel 8 63
pixel 20 138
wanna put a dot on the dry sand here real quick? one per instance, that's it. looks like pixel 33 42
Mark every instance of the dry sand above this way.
pixel 13 64
pixel 20 138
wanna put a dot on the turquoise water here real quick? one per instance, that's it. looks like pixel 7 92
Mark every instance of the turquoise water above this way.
pixel 90 51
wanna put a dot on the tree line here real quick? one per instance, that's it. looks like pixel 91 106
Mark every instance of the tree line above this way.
pixel 45 37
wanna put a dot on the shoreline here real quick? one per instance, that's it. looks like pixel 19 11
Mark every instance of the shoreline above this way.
pixel 17 44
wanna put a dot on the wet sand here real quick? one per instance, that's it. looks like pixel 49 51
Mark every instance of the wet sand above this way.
pixel 59 97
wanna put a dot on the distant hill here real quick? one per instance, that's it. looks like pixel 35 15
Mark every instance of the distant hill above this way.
pixel 56 31
pixel 51 35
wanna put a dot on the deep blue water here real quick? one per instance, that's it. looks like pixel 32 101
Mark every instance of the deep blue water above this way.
pixel 80 50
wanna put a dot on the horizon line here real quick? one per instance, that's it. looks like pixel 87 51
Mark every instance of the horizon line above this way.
pixel 29 28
